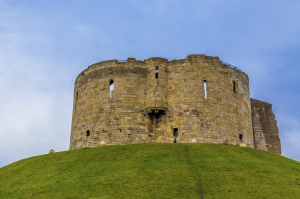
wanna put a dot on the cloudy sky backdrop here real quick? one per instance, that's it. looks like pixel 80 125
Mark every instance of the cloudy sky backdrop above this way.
pixel 44 45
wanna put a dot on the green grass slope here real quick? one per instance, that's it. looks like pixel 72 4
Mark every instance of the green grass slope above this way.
pixel 153 170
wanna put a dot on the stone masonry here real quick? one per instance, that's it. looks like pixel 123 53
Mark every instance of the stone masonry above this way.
pixel 194 100
pixel 265 130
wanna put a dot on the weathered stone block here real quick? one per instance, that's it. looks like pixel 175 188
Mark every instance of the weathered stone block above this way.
pixel 51 151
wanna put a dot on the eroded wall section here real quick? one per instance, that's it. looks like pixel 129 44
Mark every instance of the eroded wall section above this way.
pixel 265 130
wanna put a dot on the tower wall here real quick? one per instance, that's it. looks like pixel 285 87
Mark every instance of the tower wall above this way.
pixel 265 130
pixel 156 90
pixel 115 120
pixel 219 118
pixel 144 108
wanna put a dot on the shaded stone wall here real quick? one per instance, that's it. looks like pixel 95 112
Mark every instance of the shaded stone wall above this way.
pixel 144 108
pixel 265 130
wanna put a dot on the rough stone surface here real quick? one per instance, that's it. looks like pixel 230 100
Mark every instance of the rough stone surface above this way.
pixel 265 130
pixel 51 151
pixel 172 107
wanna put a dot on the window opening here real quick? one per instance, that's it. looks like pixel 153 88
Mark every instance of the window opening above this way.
pixel 241 137
pixel 175 133
pixel 111 87
pixel 76 100
pixel 156 115
pixel 88 133
pixel 205 88
pixel 233 86
pixel 156 72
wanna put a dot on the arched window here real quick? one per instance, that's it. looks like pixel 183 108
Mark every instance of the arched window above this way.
pixel 205 88
pixel 88 133
pixel 156 72
pixel 111 87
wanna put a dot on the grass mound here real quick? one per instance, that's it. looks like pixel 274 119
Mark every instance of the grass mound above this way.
pixel 153 170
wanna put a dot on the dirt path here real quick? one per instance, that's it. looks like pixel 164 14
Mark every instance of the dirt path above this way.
pixel 198 180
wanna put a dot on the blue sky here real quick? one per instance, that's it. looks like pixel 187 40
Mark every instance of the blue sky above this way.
pixel 44 45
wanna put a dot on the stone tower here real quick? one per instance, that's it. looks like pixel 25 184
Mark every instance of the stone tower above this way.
pixel 199 99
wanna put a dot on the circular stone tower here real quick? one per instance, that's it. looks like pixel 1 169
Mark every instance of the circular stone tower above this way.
pixel 194 100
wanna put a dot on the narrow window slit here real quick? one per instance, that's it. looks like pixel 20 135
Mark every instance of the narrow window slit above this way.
pixel 241 137
pixel 175 133
pixel 205 88
pixel 76 100
pixel 233 86
pixel 156 72
pixel 88 133
pixel 111 87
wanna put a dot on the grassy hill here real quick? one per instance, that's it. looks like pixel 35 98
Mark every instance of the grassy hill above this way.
pixel 153 170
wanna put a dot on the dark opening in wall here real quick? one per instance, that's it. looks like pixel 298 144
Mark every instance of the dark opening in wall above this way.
pixel 241 137
pixel 233 86
pixel 156 114
pixel 111 86
pixel 205 88
pixel 175 133
pixel 88 133
pixel 120 130
pixel 156 72
pixel 76 100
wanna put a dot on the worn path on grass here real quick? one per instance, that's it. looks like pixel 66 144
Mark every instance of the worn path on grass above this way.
pixel 196 174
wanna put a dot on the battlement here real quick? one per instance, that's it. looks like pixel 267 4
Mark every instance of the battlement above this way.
pixel 190 59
